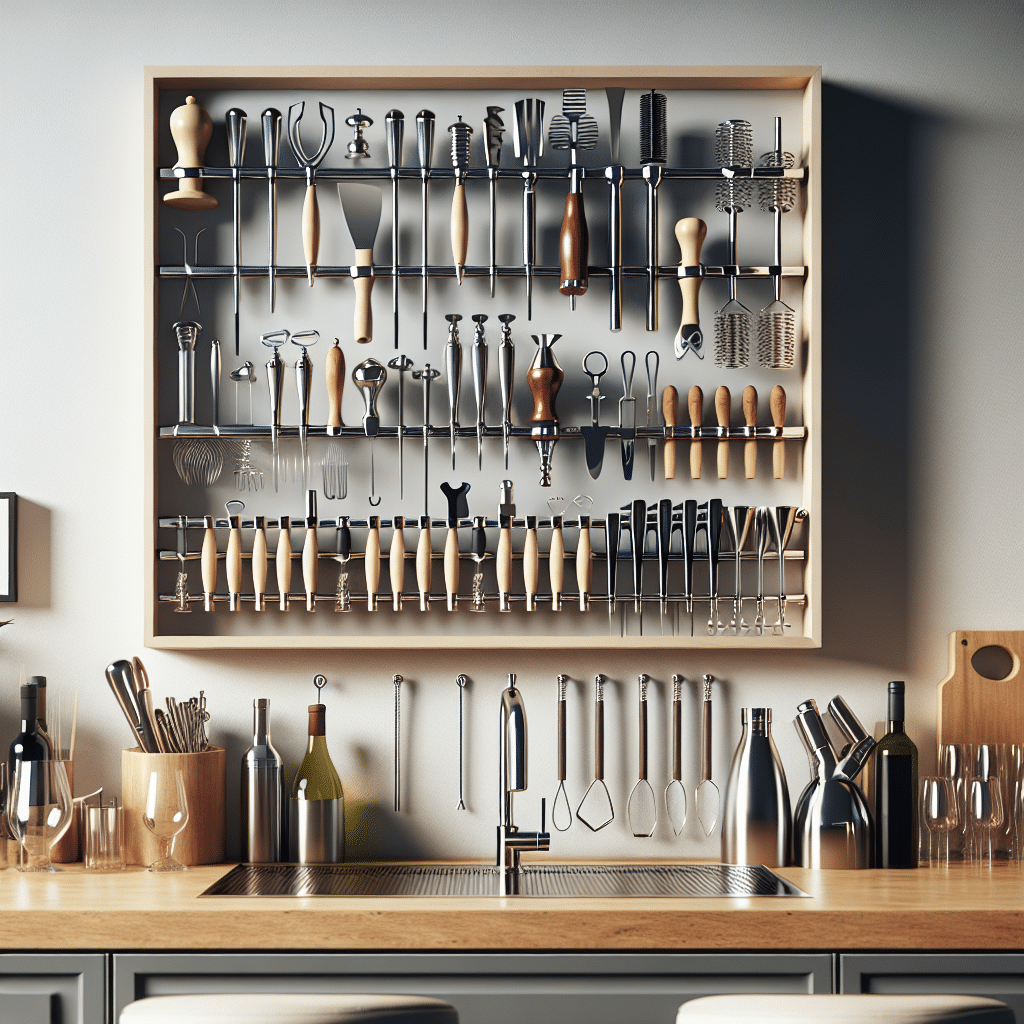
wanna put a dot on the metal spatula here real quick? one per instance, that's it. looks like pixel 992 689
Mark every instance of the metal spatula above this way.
pixel 595 809
pixel 643 808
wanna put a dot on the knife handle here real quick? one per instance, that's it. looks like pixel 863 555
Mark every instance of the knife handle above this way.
pixel 777 404
pixel 750 419
pixel 556 567
pixel 584 563
pixel 310 230
pixel 690 234
pixel 723 411
pixel 545 383
pixel 259 565
pixel 459 228
pixel 310 567
pixel 503 565
pixel 531 567
pixel 208 563
pixel 424 564
pixel 371 563
pixel 695 404
pixel 334 369
pixel 362 317
pixel 396 563
pixel 451 567
pixel 233 564
pixel 283 562
pixel 670 413
pixel 574 247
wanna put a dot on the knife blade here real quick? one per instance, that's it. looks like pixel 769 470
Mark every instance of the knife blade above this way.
pixel 627 434
pixel 595 365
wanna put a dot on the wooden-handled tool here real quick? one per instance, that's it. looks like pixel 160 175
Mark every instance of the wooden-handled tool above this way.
pixel 424 564
pixel 777 404
pixel 310 207
pixel 695 405
pixel 283 563
pixel 723 411
pixel 334 370
pixel 310 554
pixel 451 567
pixel 556 563
pixel 208 563
pixel 371 563
pixel 690 234
pixel 462 134
pixel 584 563
pixel 750 419
pixel 361 204
pixel 191 129
pixel 531 563
pixel 258 562
pixel 233 563
pixel 670 413
pixel 396 563
pixel 545 378
pixel 503 564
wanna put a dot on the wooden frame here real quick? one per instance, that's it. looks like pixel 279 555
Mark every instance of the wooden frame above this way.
pixel 8 546
pixel 807 80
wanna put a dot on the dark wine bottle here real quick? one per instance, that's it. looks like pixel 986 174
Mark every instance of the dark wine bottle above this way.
pixel 28 745
pixel 896 825
pixel 42 727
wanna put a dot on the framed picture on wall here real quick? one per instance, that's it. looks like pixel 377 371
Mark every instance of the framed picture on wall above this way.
pixel 8 546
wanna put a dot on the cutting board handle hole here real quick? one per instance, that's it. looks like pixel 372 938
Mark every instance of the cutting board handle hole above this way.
pixel 992 662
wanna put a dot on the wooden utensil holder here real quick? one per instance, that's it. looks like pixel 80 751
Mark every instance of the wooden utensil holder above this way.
pixel 202 839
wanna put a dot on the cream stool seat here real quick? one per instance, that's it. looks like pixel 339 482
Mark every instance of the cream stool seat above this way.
pixel 288 1008
pixel 844 1009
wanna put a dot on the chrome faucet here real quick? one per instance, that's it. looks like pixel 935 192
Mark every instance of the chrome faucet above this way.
pixel 512 779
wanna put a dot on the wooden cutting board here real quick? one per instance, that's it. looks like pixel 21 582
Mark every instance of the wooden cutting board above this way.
pixel 973 709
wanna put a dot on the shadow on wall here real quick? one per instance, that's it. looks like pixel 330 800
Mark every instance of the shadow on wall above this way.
pixel 866 278
pixel 35 542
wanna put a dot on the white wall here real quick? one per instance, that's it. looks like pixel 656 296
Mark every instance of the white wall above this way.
pixel 929 482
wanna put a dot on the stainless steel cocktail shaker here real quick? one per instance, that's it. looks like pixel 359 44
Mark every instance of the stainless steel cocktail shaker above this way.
pixel 263 804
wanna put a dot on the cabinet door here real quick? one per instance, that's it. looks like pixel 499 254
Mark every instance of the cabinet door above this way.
pixel 53 988
pixel 488 988
pixel 996 975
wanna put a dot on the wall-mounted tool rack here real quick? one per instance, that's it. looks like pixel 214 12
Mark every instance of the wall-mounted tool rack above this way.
pixel 624 293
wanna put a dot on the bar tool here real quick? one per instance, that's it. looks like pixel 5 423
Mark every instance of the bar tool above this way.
pixel 613 175
pixel 275 382
pixel 573 130
pixel 670 413
pixel 358 148
pixel 426 375
pixel 246 372
pixel 545 378
pixel 750 421
pixel 666 526
pixel 695 407
pixel 462 135
pixel 310 208
pixel 343 549
pixel 397 680
pixel 197 461
pixel 304 386
pixel 208 563
pixel 310 553
pixel 334 469
pixel 561 812
pixel 643 808
pixel 369 376
pixel 723 413
pixel 635 521
pixel 584 563
pixel 785 516
pixel 707 795
pixel 233 554
pixel 478 361
pixel 595 366
pixel 401 364
pixel 777 405
pixel 531 563
pixel 425 153
pixel 627 413
pixel 190 284
pixel 776 323
pixel 191 129
pixel 396 562
pixel 503 553
pixel 860 743
pixel 283 562
pixel 612 531
pixel 424 563
pixel 394 130
pixel 371 562
pixel 181 586
pixel 506 367
pixel 763 529
pixel 690 234
pixel 556 563
pixel 262 805
pixel 595 809
pixel 478 553
pixel 258 562
pixel 494 129
pixel 361 203
pixel 652 390
pixel 675 793
pixel 739 519
pixel 463 682
pixel 247 476
pixel 653 153
pixel 234 123
pixel 687 525
pixel 528 145
pixel 270 123
pixel 458 508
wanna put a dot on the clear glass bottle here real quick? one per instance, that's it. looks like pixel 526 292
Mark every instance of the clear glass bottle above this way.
pixel 896 821
pixel 263 796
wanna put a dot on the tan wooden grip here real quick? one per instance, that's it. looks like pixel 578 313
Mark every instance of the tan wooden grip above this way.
pixel 209 562
pixel 283 562
pixel 259 562
pixel 556 562
pixel 599 739
pixel 750 419
pixel 371 562
pixel 531 565
pixel 310 563
pixel 191 128
pixel 777 404
pixel 670 413
pixel 574 247
pixel 503 560
pixel 233 561
pixel 723 411
pixel 424 562
pixel 690 234
pixel 334 370
pixel 545 383
pixel 460 227
pixel 362 314
pixel 584 563
pixel 396 566
pixel 695 404
pixel 310 228
pixel 451 561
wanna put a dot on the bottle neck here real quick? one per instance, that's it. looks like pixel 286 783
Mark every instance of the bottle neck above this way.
pixel 316 743
pixel 897 725
pixel 261 724
pixel 317 723
pixel 29 714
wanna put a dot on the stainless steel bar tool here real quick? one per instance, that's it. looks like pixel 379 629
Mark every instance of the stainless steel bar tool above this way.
pixel 394 130
pixel 665 528
pixel 528 144
pixel 186 333
pixel 595 809
pixel 310 208
pixel 358 148
pixel 235 122
pixel 612 531
pixel 215 372
pixel 707 796
pixel 478 361
pixel 675 793
pixel 304 386
pixel 343 554
pixel 397 680
pixel 478 552
pixel 369 376
pixel 402 364
pixel 653 153
pixel 739 519
pixel 763 528
pixel 643 808
pixel 190 284
pixel 545 378
pixel 494 129
pixel 462 135
pixel 652 407
pixel 595 365
pixel 503 553
pixel 506 379
pixel 613 175
pixel 635 521
pixel 425 153
pixel 627 413
pixel 270 122
pixel 310 553
pixel 453 368
pixel 426 375
pixel 709 520
pixel 688 528
pixel 463 682
pixel 785 518
pixel 561 812
pixel 275 383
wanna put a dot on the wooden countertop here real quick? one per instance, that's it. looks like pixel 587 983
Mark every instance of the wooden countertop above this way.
pixel 923 909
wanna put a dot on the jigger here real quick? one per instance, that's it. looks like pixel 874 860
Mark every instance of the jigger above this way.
pixel 186 332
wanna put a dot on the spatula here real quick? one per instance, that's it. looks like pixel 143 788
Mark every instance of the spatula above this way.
pixel 595 809
pixel 361 204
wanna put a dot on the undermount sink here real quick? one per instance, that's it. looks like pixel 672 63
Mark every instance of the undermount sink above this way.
pixel 539 880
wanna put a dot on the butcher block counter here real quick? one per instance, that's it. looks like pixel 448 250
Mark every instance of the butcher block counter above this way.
pixel 846 910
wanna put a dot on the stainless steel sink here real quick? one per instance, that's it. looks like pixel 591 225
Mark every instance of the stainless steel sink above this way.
pixel 540 880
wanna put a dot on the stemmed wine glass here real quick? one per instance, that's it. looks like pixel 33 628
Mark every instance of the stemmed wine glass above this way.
pixel 985 809
pixel 941 815
pixel 39 811
pixel 166 815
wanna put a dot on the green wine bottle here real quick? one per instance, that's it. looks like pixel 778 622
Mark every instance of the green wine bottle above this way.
pixel 896 831
pixel 317 778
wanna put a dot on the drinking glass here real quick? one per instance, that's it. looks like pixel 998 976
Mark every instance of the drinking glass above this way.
pixel 954 761
pixel 941 816
pixel 985 808
pixel 39 810
pixel 166 814
pixel 104 847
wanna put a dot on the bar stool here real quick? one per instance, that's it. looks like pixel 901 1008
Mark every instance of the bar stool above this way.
pixel 844 1009
pixel 288 1008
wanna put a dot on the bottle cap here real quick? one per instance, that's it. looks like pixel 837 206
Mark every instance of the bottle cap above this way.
pixel 38 681
pixel 28 691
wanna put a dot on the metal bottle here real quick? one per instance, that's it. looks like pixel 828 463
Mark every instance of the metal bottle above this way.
pixel 757 824
pixel 263 804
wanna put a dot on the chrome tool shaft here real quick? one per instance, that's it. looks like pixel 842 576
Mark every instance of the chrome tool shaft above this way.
pixel 235 121
pixel 453 368
pixel 494 129
pixel 426 375
pixel 478 360
pixel 401 364
pixel 506 365
pixel 528 143
pixel 394 129
pixel 270 121
pixel 424 151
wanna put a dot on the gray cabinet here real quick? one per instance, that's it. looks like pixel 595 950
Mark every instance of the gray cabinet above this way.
pixel 53 988
pixel 996 975
pixel 488 988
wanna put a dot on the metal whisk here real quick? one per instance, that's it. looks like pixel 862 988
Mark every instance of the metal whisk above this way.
pixel 776 323
pixel 734 151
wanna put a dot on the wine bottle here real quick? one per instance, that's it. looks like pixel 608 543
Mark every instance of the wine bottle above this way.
pixel 28 745
pixel 896 827
pixel 317 808
pixel 42 727
pixel 262 801
pixel 317 778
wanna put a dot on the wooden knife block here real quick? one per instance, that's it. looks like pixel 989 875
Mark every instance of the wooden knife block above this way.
pixel 202 839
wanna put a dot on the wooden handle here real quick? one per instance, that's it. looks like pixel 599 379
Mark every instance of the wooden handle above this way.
pixel 503 560
pixel 777 404
pixel 584 566
pixel 545 383
pixel 362 317
pixel 283 562
pixel 334 369
pixel 670 413
pixel 310 567
pixel 191 129
pixel 259 563
pixel 556 561
pixel 531 567
pixel 371 565
pixel 723 411
pixel 451 563
pixel 209 561
pixel 396 567
pixel 690 234
pixel 574 247
pixel 695 404
pixel 233 562
pixel 424 562
pixel 750 419
pixel 460 228
pixel 310 229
